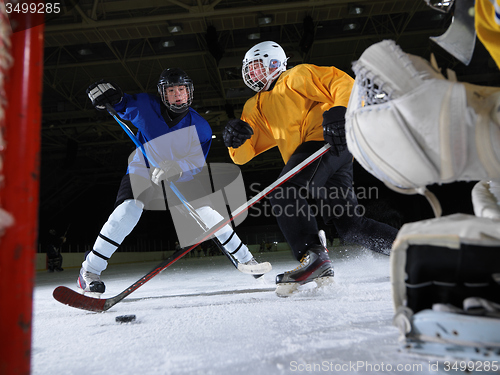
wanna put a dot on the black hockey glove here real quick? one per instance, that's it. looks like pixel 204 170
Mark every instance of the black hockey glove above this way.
pixel 103 92
pixel 334 129
pixel 236 133
pixel 169 171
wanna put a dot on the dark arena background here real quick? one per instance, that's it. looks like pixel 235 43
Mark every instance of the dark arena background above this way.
pixel 84 151
pixel 61 163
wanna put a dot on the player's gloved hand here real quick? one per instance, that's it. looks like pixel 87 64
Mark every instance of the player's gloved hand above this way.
pixel 169 171
pixel 103 92
pixel 334 129
pixel 236 133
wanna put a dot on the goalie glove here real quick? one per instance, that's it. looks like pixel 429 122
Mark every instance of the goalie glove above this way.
pixel 334 129
pixel 236 133
pixel 169 171
pixel 410 127
pixel 102 93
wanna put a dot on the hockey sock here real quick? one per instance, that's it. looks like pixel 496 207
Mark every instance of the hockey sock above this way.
pixel 227 236
pixel 119 225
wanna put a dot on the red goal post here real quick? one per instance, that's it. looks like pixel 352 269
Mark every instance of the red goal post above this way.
pixel 21 70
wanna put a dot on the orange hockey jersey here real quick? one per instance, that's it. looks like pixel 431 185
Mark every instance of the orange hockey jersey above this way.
pixel 487 20
pixel 292 112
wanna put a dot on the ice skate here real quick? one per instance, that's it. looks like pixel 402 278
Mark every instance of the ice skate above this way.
pixel 315 266
pixel 254 268
pixel 90 284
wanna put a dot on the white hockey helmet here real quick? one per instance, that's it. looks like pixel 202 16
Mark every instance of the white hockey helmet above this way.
pixel 272 60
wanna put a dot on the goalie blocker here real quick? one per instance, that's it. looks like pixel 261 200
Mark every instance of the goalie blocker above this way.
pixel 445 276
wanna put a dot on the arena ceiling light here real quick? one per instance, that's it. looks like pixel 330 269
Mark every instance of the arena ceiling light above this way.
pixel 174 29
pixel 265 20
pixel 168 43
pixel 356 9
pixel 253 36
pixel 350 26
pixel 84 51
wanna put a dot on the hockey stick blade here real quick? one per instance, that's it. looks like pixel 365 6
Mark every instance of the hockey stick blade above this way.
pixel 71 298
pixel 255 269
pixel 74 299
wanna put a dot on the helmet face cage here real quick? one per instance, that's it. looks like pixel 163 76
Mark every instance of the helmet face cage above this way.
pixel 442 6
pixel 262 64
pixel 175 77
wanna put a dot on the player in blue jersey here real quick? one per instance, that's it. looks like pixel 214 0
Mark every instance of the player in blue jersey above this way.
pixel 178 139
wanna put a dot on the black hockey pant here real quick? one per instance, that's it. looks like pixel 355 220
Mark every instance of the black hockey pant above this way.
pixel 328 181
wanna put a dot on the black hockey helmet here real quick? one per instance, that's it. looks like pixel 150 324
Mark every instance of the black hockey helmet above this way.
pixel 175 77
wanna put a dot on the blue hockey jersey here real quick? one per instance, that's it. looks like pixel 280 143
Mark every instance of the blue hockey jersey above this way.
pixel 187 143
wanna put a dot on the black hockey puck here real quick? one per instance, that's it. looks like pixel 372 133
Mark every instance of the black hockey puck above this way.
pixel 125 318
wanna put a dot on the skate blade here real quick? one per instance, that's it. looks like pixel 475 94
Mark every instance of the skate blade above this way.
pixel 255 269
pixel 287 289
pixel 324 281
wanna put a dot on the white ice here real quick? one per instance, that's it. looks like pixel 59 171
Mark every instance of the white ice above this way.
pixel 202 316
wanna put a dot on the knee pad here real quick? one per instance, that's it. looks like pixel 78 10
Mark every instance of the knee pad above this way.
pixel 209 215
pixel 226 235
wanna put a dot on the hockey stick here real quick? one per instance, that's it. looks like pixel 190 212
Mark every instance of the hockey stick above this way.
pixel 189 210
pixel 72 298
pixel 192 212
pixel 255 271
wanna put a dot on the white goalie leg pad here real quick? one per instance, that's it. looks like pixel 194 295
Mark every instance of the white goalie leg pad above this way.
pixel 437 265
pixel 410 127
pixel 486 199
pixel 227 236
pixel 120 223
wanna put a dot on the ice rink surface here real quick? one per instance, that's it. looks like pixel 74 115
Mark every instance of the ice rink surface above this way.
pixel 202 316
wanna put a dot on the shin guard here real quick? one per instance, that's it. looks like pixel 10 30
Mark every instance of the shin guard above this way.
pixel 119 225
